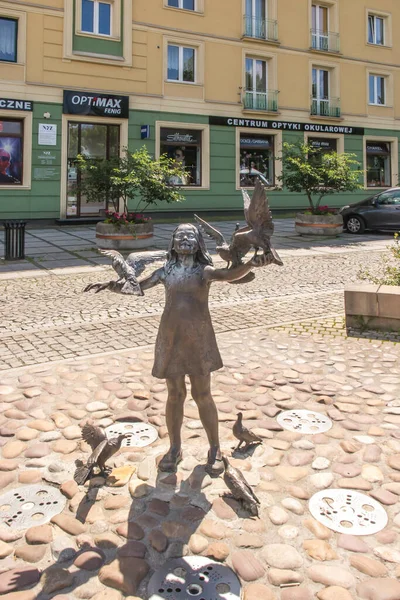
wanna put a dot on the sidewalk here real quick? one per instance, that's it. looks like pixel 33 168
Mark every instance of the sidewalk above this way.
pixel 62 250
pixel 111 537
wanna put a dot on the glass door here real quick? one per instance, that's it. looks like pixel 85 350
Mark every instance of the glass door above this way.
pixel 256 83
pixel 256 15
pixel 320 91
pixel 94 141
pixel 320 36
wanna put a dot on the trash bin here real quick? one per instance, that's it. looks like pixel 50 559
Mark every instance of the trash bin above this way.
pixel 14 240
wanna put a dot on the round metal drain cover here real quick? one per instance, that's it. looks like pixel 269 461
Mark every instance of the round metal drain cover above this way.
pixel 304 421
pixel 140 434
pixel 195 577
pixel 30 505
pixel 347 511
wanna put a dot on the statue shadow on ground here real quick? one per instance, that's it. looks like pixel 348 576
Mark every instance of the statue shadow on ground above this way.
pixel 158 528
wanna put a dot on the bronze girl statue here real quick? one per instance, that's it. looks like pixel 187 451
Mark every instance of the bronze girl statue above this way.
pixel 186 343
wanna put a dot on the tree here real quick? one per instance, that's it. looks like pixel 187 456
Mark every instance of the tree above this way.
pixel 318 174
pixel 134 176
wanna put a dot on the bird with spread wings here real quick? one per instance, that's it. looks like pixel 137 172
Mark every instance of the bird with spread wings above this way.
pixel 256 234
pixel 127 270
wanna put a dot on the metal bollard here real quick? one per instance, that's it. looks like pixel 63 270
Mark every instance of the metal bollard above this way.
pixel 14 240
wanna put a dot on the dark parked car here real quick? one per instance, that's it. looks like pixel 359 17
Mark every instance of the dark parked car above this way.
pixel 380 211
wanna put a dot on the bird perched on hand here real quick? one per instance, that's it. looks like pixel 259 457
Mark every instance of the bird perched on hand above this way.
pixel 243 434
pixel 257 233
pixel 128 270
pixel 240 489
pixel 102 450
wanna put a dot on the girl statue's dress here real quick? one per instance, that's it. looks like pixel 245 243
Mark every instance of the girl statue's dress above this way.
pixel 186 343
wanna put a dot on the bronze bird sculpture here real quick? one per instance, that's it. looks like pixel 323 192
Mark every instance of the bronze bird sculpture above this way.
pixel 259 220
pixel 240 489
pixel 102 450
pixel 257 233
pixel 127 270
pixel 243 434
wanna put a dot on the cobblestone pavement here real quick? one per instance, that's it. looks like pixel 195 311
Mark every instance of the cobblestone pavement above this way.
pixel 50 318
pixel 113 534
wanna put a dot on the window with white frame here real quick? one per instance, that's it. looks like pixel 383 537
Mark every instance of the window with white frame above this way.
pixel 377 90
pixel 185 4
pixel 320 28
pixel 96 17
pixel 181 64
pixel 376 30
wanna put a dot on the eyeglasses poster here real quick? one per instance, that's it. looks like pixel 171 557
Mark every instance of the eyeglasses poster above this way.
pixel 10 160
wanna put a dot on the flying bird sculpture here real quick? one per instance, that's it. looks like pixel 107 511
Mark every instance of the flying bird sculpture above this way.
pixel 239 488
pixel 243 434
pixel 127 270
pixel 257 233
pixel 102 450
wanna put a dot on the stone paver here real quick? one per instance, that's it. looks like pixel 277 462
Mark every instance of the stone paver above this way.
pixel 108 540
pixel 50 318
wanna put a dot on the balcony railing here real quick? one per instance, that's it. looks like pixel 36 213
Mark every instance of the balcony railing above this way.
pixel 326 41
pixel 262 29
pixel 267 101
pixel 326 107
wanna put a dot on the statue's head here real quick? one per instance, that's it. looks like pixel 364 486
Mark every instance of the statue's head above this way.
pixel 187 239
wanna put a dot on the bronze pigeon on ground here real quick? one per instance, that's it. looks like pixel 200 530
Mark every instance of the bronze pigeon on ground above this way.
pixel 240 489
pixel 243 434
pixel 102 450
pixel 127 270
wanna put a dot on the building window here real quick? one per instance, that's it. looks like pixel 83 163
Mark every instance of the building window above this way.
pixel 185 4
pixel 96 17
pixel 377 90
pixel 11 152
pixel 8 39
pixel 184 146
pixel 376 30
pixel 256 159
pixel 378 164
pixel 181 63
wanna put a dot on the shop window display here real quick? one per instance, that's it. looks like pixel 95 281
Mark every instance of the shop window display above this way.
pixel 378 164
pixel 184 147
pixel 11 152
pixel 256 160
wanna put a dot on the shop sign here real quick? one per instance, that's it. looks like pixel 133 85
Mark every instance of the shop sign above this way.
pixel 145 132
pixel 46 157
pixel 378 148
pixel 46 173
pixel 322 144
pixel 47 134
pixel 183 136
pixel 286 125
pixel 255 142
pixel 100 105
pixel 10 104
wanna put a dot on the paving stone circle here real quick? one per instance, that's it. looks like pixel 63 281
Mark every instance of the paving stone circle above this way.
pixel 304 421
pixel 348 511
pixel 140 434
pixel 194 577
pixel 30 505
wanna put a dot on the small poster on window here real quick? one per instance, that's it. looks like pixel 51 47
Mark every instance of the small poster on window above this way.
pixel 10 160
pixel 47 134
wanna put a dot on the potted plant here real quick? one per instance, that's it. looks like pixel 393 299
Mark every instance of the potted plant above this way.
pixel 318 174
pixel 133 177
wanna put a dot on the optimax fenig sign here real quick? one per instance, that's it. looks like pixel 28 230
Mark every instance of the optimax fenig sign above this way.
pixel 100 105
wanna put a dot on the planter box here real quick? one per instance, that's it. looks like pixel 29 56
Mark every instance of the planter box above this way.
pixel 371 306
pixel 325 225
pixel 110 237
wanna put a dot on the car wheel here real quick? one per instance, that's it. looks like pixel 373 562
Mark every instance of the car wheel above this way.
pixel 355 224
